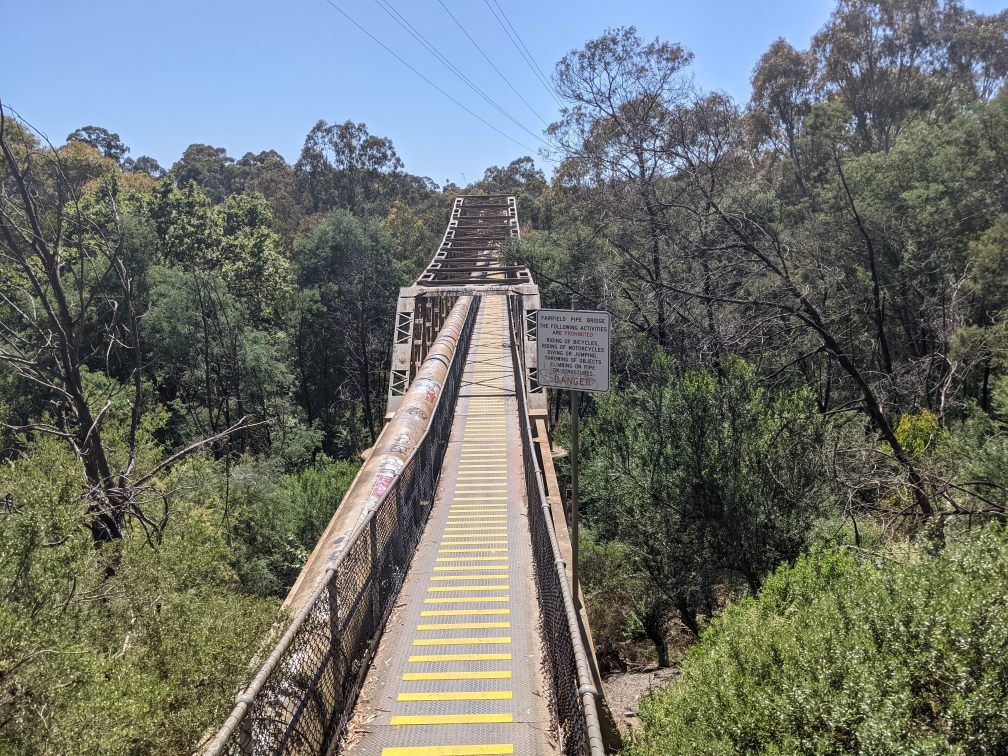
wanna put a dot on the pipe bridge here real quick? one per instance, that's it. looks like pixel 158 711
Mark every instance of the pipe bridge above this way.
pixel 436 615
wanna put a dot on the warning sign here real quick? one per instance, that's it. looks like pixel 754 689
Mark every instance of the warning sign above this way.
pixel 572 348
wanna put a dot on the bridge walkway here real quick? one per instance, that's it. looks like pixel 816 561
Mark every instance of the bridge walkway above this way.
pixel 459 670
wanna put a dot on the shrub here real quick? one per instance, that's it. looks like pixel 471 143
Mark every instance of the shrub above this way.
pixel 838 655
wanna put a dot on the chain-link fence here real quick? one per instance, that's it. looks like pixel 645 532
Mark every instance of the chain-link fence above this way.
pixel 298 705
pixel 573 693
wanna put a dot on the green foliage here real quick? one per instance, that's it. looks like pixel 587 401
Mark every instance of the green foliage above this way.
pixel 342 329
pixel 276 520
pixel 840 655
pixel 706 478
pixel 132 649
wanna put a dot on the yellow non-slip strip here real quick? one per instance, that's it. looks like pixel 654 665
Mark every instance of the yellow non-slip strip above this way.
pixel 475 567
pixel 464 625
pixel 470 551
pixel 486 530
pixel 459 695
pixel 459 657
pixel 462 612
pixel 491 674
pixel 503 640
pixel 490 576
pixel 467 600
pixel 489 749
pixel 453 588
pixel 472 559
pixel 429 719
pixel 479 498
pixel 474 520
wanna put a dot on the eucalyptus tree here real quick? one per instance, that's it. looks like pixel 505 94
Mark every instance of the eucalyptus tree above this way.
pixel 70 314
pixel 620 92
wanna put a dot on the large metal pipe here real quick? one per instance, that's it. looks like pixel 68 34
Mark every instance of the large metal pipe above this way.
pixel 399 437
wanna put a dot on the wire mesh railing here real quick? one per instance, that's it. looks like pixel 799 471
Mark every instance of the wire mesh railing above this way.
pixel 573 694
pixel 299 703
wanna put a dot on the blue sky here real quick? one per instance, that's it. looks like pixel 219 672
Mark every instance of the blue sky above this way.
pixel 254 75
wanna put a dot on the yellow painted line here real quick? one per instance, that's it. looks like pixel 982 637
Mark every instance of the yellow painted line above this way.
pixel 471 559
pixel 499 640
pixel 470 551
pixel 488 749
pixel 463 626
pixel 467 600
pixel 459 657
pixel 479 498
pixel 476 530
pixel 476 567
pixel 491 576
pixel 429 719
pixel 491 674
pixel 450 542
pixel 462 612
pixel 460 695
pixel 473 542
pixel 452 588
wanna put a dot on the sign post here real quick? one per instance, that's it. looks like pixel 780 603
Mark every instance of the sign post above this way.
pixel 572 351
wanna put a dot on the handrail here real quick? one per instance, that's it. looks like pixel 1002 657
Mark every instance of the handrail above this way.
pixel 346 628
pixel 574 738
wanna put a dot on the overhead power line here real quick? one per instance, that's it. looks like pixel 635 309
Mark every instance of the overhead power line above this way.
pixel 522 50
pixel 411 68
pixel 387 6
pixel 457 23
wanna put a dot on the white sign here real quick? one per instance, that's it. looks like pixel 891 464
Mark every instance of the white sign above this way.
pixel 572 349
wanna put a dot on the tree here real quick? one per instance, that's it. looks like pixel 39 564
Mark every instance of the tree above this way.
pixel 709 481
pixel 210 167
pixel 876 55
pixel 69 303
pixel 783 89
pixel 621 93
pixel 144 164
pixel 342 333
pixel 107 143
pixel 343 166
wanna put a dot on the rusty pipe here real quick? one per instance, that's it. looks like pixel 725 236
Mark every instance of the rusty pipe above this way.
pixel 399 437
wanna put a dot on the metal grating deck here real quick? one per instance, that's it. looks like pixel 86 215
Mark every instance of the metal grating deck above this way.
pixel 459 671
